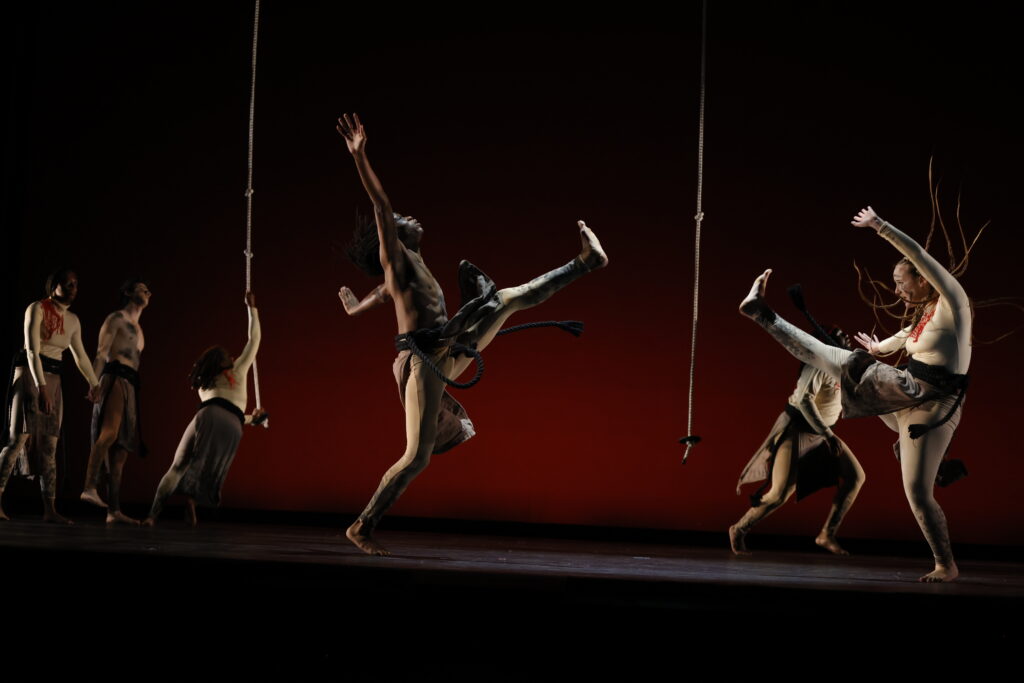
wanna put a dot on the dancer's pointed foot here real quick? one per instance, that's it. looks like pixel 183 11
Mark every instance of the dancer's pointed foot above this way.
pixel 3 516
pixel 149 521
pixel 118 517
pixel 830 544
pixel 592 255
pixel 941 574
pixel 754 305
pixel 93 497
pixel 737 541
pixel 364 541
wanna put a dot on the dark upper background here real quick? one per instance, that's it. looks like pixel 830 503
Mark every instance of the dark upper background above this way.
pixel 125 151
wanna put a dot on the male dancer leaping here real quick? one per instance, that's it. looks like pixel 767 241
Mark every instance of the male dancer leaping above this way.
pixel 420 309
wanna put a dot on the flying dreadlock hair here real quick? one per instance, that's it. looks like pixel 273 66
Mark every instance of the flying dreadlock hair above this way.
pixel 363 248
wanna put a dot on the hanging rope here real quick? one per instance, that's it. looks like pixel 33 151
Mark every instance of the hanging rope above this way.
pixel 248 190
pixel 692 440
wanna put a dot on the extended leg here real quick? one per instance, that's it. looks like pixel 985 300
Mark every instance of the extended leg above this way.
pixel 919 463
pixel 169 482
pixel 783 486
pixel 851 479
pixel 422 403
pixel 536 291
pixel 801 345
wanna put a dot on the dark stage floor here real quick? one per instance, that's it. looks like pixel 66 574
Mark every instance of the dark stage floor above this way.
pixel 229 598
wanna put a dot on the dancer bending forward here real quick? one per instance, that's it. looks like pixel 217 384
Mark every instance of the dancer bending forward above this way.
pixel 925 399
pixel 434 421
pixel 801 455
pixel 211 439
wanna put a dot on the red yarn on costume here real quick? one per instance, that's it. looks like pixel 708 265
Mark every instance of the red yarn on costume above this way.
pixel 53 319
pixel 916 334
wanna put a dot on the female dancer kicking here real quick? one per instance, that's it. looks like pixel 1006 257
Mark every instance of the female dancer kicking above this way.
pixel 211 439
pixel 434 421
pixel 801 455
pixel 925 398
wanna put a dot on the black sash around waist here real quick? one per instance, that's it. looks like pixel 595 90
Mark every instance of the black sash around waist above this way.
pixel 50 365
pixel 119 369
pixel 226 405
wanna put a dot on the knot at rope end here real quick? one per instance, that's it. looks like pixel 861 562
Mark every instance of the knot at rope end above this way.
pixel 690 442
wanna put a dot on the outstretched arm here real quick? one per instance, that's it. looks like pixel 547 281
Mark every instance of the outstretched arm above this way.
pixel 941 279
pixel 248 354
pixel 351 128
pixel 354 306
pixel 885 346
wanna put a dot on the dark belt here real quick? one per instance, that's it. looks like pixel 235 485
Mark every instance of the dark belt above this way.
pixel 943 380
pixel 50 365
pixel 426 340
pixel 226 405
pixel 118 369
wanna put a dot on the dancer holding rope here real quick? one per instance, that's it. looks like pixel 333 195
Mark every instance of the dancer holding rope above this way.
pixel 210 441
pixel 925 399
pixel 434 421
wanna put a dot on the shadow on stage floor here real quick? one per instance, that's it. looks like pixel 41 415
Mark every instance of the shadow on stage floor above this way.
pixel 238 598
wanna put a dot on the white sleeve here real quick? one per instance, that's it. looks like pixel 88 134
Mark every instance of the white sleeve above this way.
pixel 248 354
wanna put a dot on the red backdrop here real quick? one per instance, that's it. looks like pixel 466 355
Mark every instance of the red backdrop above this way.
pixel 131 128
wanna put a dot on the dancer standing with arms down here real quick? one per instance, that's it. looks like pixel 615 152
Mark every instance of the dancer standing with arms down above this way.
pixel 210 441
pixel 434 421
pixel 801 455
pixel 925 399
pixel 36 406
pixel 116 416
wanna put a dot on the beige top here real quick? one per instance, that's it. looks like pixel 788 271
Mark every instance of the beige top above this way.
pixel 818 398
pixel 238 391
pixel 944 335
pixel 50 329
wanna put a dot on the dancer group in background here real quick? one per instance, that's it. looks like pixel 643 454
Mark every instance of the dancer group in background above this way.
pixel 925 400
pixel 434 421
pixel 210 441
pixel 35 406
pixel 802 454
pixel 116 429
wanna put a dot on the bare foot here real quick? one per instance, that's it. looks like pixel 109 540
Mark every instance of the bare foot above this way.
pixel 941 574
pixel 3 517
pixel 191 518
pixel 737 541
pixel 149 521
pixel 754 305
pixel 592 255
pixel 830 544
pixel 91 496
pixel 118 517
pixel 363 541
pixel 53 518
